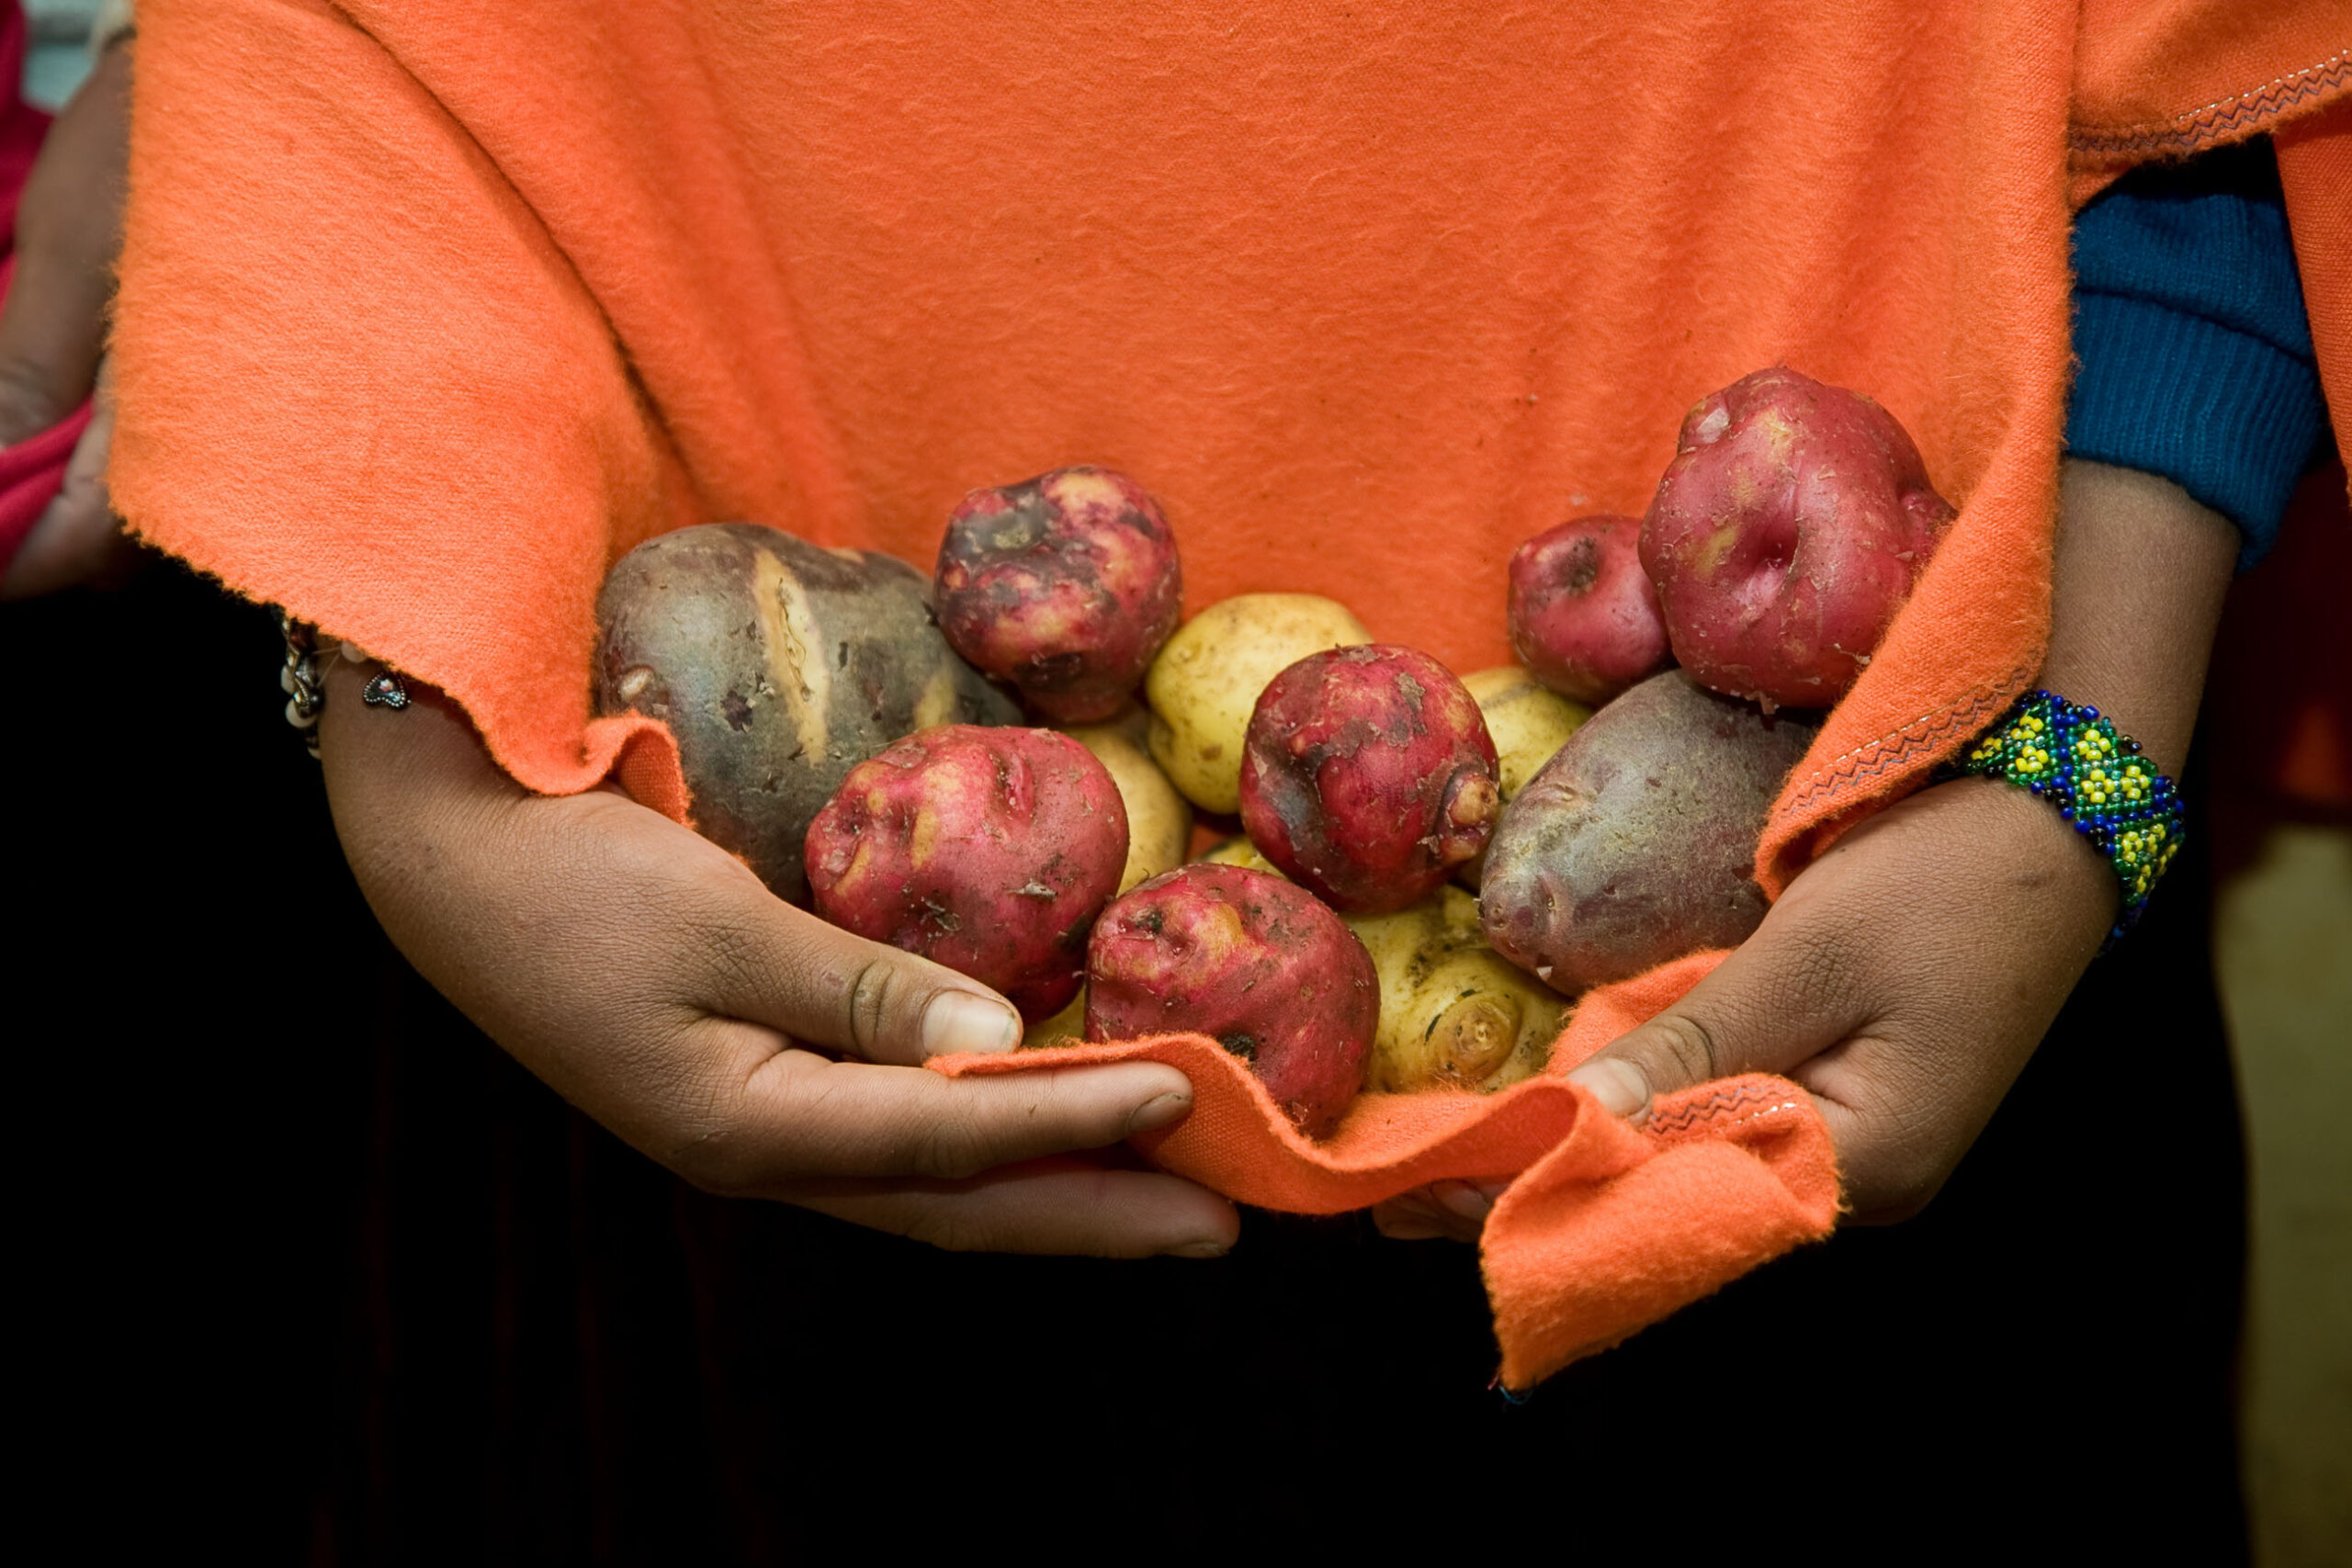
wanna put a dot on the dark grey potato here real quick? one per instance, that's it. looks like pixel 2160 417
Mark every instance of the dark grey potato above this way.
pixel 1637 842
pixel 778 666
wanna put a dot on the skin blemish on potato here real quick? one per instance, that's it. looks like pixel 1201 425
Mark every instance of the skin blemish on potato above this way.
pixel 788 631
pixel 1584 568
pixel 1712 552
pixel 1219 932
pixel 922 839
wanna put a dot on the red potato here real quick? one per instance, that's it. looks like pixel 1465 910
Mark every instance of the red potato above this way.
pixel 1788 529
pixel 1063 585
pixel 1584 618
pixel 1367 776
pixel 1637 842
pixel 988 850
pixel 1254 962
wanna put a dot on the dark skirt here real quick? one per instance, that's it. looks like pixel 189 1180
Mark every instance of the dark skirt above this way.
pixel 452 1319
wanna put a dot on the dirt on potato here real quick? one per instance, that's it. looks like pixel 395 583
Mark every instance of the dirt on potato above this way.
pixel 1064 586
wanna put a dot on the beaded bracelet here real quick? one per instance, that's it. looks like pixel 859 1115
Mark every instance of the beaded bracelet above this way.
pixel 2098 780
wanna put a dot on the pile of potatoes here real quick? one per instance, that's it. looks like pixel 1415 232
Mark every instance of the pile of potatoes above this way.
pixel 1426 868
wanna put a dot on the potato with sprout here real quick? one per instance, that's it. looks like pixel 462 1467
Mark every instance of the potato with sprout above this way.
pixel 1368 776
pixel 1453 1013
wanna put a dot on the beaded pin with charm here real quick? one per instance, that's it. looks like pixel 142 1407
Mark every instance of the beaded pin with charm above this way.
pixel 303 678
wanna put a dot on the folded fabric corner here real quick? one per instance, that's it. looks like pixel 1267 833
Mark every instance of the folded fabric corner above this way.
pixel 1605 1229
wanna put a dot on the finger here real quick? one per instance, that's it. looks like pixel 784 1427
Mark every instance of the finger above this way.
pixel 801 1116
pixel 1399 1219
pixel 787 968
pixel 1050 1207
pixel 1420 1216
pixel 1463 1200
pixel 1778 998
pixel 728 942
pixel 68 230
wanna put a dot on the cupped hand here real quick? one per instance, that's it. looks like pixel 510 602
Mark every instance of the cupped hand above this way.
pixel 1905 977
pixel 654 982
pixel 1903 980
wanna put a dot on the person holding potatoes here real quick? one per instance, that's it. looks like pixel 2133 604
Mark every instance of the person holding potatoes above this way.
pixel 1364 297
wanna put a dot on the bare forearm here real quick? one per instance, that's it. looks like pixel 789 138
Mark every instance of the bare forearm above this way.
pixel 2136 591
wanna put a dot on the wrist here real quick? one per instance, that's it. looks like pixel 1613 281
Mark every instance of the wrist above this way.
pixel 2098 780
pixel 2045 855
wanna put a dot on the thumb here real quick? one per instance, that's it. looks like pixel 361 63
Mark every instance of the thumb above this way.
pixel 1757 1012
pixel 833 988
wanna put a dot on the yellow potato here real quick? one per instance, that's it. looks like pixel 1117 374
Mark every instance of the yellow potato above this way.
pixel 1159 825
pixel 1133 720
pixel 1529 722
pixel 1067 1027
pixel 1239 850
pixel 1207 678
pixel 1453 1013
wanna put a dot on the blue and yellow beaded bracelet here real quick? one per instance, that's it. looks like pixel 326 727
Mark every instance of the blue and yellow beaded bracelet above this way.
pixel 2098 780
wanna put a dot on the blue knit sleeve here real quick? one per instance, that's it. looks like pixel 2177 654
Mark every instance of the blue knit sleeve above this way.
pixel 2194 355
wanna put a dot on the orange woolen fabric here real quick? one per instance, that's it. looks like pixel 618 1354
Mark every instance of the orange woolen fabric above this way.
pixel 2316 170
pixel 1604 1230
pixel 430 310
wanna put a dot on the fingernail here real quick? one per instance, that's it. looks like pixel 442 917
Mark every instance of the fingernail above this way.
pixel 957 1022
pixel 1466 1201
pixel 1198 1249
pixel 1619 1085
pixel 1159 1112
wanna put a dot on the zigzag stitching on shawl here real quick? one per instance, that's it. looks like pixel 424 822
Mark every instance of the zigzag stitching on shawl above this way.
pixel 1873 758
pixel 2221 116
pixel 1715 1105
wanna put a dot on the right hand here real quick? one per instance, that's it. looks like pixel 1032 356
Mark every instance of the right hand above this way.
pixel 650 978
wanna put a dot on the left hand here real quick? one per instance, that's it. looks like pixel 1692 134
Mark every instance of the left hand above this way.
pixel 1905 977
pixel 1903 980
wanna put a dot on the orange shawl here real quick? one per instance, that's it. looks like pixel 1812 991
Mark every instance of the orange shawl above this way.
pixel 430 310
